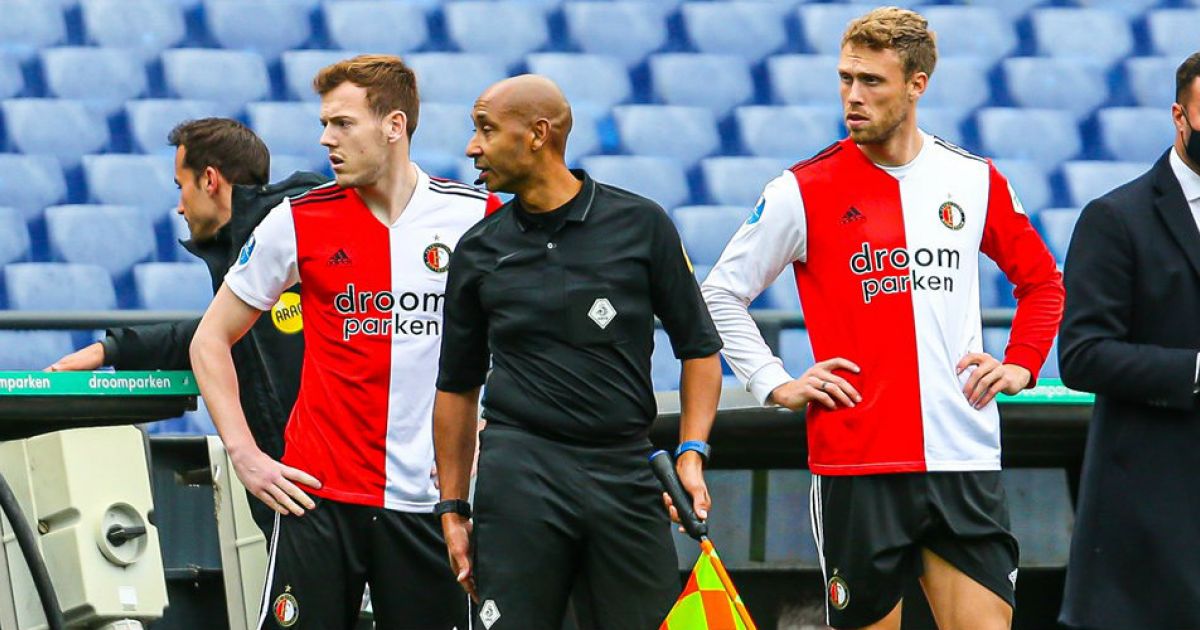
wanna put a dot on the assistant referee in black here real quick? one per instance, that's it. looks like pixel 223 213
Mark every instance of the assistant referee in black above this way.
pixel 559 288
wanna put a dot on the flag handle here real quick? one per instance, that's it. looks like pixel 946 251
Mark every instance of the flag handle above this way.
pixel 664 470
pixel 706 546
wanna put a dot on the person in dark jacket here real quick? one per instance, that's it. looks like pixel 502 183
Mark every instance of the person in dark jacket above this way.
pixel 221 168
pixel 1131 335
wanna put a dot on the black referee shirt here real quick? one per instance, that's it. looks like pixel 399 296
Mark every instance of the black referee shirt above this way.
pixel 564 304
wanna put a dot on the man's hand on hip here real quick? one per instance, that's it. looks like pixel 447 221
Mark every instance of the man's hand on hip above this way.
pixel 457 530
pixel 272 482
pixel 991 377
pixel 819 384
pixel 88 358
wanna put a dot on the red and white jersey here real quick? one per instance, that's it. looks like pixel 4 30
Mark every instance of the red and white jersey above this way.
pixel 886 264
pixel 372 302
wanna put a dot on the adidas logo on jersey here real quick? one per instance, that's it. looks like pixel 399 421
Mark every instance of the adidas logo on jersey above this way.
pixel 339 258
pixel 852 215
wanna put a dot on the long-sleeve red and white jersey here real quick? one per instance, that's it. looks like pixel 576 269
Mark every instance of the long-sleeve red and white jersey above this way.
pixel 886 263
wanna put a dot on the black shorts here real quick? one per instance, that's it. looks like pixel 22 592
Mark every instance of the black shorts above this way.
pixel 552 518
pixel 870 530
pixel 320 561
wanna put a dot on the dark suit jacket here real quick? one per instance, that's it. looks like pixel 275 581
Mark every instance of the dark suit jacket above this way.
pixel 1130 334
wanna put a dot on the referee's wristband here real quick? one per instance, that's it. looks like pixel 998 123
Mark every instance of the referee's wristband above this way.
pixel 453 506
pixel 702 448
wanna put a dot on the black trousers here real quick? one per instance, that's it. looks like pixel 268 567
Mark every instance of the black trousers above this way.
pixel 552 518
pixel 319 563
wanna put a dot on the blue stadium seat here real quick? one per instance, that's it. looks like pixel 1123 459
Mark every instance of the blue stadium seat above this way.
pixel 58 287
pixel 716 82
pixel 995 291
pixel 981 32
pixel 824 24
pixel 1087 180
pixel 291 129
pixel 144 27
pixel 14 236
pixel 100 78
pixel 265 27
pixel 625 30
pixel 659 179
pixel 789 132
pixel 150 120
pixel 172 286
pixel 376 25
pixel 1129 9
pixel 1050 367
pixel 29 183
pixel 796 351
pixel 739 181
pixel 146 182
pixel 12 82
pixel 506 31
pixel 300 67
pixel 1056 226
pixel 958 82
pixel 751 30
pixel 230 77
pixel 804 79
pixel 1077 85
pixel 30 25
pixel 33 349
pixel 1136 134
pixel 443 131
pixel 599 80
pixel 684 133
pixel 1151 80
pixel 585 131
pixel 1011 10
pixel 664 367
pixel 88 234
pixel 943 122
pixel 1103 36
pixel 1173 31
pixel 1029 181
pixel 706 230
pixel 62 128
pixel 454 77
pixel 995 341
pixel 1045 136
pixel 283 165
pixel 781 294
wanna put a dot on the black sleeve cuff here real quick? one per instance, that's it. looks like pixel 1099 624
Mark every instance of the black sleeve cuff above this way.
pixel 112 352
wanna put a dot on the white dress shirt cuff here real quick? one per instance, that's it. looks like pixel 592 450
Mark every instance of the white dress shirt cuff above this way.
pixel 766 380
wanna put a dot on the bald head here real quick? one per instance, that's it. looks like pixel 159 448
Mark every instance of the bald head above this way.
pixel 529 98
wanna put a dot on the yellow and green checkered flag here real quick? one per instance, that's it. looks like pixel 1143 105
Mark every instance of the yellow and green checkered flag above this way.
pixel 709 601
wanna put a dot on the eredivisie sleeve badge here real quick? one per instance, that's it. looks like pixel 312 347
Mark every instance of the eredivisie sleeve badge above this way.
pixel 437 256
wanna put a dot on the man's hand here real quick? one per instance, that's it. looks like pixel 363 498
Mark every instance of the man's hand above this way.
pixel 819 384
pixel 457 530
pixel 990 378
pixel 691 476
pixel 271 481
pixel 89 358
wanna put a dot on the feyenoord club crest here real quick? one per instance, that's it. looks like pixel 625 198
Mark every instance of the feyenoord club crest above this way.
pixel 952 215
pixel 839 593
pixel 286 610
pixel 437 257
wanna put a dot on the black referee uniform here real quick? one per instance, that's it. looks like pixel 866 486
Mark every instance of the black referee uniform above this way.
pixel 564 302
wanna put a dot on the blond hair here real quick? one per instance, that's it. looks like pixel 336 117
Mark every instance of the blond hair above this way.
pixel 390 84
pixel 906 32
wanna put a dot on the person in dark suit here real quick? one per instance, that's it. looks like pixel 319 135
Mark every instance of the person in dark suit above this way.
pixel 1131 335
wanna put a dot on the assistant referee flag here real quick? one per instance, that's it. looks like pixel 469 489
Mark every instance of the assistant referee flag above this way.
pixel 706 603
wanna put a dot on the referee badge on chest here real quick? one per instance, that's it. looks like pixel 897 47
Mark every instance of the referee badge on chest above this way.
pixel 602 312
pixel 437 256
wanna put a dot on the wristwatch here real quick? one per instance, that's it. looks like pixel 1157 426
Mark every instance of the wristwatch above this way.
pixel 453 506
pixel 699 446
